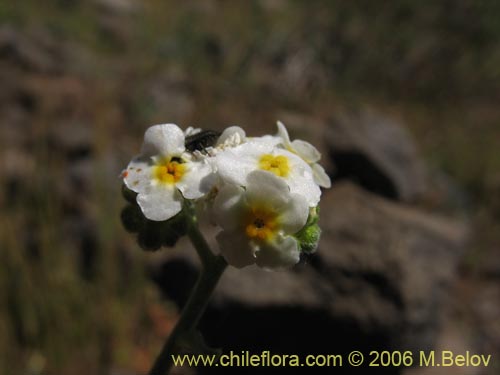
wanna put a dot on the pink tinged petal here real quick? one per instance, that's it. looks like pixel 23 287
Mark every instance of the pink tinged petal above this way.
pixel 229 207
pixel 236 249
pixel 160 202
pixel 283 252
pixel 306 151
pixel 320 176
pixel 294 215
pixel 164 140
pixel 137 177
pixel 196 181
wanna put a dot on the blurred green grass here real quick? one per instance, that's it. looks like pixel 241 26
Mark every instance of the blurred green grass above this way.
pixel 434 64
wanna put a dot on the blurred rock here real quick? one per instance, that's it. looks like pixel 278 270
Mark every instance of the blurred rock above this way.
pixel 379 280
pixel 35 53
pixel 488 264
pixel 390 266
pixel 377 153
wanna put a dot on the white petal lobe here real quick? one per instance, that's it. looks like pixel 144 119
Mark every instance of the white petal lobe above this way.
pixel 160 203
pixel 163 140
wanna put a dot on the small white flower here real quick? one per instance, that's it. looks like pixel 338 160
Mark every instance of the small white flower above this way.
pixel 307 152
pixel 234 165
pixel 164 174
pixel 258 222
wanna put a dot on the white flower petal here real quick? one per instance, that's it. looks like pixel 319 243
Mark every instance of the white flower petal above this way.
pixel 302 148
pixel 196 180
pixel 231 137
pixel 163 140
pixel 160 202
pixel 306 151
pixel 320 176
pixel 306 187
pixel 236 249
pixel 137 176
pixel 301 180
pixel 229 207
pixel 283 134
pixel 281 253
pixel 234 164
pixel 268 141
pixel 264 186
pixel 294 215
pixel 191 131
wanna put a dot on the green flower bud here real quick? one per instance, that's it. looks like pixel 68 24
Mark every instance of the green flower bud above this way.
pixel 308 237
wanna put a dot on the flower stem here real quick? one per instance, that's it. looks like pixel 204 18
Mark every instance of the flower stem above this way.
pixel 212 269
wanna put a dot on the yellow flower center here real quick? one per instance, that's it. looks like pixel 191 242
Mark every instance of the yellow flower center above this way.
pixel 278 165
pixel 261 224
pixel 169 171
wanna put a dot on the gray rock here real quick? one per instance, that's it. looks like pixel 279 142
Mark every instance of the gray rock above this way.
pixel 377 153
pixel 379 280
pixel 389 265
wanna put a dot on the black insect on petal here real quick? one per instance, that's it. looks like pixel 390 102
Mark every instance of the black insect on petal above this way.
pixel 201 140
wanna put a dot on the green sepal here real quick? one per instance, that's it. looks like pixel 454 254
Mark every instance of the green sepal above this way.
pixel 129 195
pixel 132 218
pixel 152 235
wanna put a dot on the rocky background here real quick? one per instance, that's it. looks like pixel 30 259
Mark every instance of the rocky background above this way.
pixel 401 98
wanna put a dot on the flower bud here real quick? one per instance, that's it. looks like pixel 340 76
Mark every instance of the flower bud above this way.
pixel 308 237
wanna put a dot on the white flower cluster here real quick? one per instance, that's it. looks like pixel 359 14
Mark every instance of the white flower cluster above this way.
pixel 260 190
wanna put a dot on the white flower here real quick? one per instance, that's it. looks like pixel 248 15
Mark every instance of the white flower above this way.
pixel 307 152
pixel 258 222
pixel 234 165
pixel 163 174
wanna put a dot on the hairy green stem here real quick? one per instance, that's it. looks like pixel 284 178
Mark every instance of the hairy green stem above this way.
pixel 212 269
